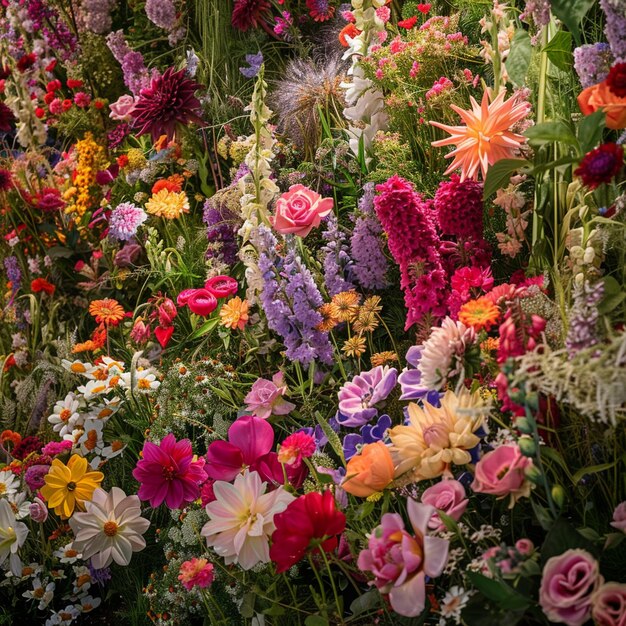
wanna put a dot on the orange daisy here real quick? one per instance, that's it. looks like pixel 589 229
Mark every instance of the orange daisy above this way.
pixel 345 306
pixel 107 311
pixel 234 313
pixel 328 321
pixel 480 313
pixel 486 137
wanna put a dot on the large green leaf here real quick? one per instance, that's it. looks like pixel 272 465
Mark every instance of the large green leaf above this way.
pixel 518 60
pixel 499 173
pixel 590 130
pixel 499 592
pixel 571 13
pixel 559 50
pixel 549 132
pixel 562 537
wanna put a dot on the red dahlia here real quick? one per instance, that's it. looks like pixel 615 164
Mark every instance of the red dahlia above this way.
pixel 310 522
pixel 6 118
pixel 169 101
pixel 6 179
pixel 249 13
pixel 601 165
pixel 320 10
pixel 616 80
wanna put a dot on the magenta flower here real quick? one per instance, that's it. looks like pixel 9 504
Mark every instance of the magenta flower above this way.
pixel 167 472
pixel 266 397
pixel 359 397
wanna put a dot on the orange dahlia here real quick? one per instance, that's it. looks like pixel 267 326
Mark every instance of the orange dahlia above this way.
pixel 234 313
pixel 107 311
pixel 480 313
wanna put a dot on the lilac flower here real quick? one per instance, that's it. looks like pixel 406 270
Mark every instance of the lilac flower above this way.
pixel 125 219
pixel 100 576
pixel 222 226
pixel 161 13
pixel 54 29
pixel 353 442
pixel 592 63
pixel 14 273
pixel 615 27
pixel 96 15
pixel 254 62
pixel 536 12
pixel 411 378
pixel 337 261
pixel 136 74
pixel 584 316
pixel 358 398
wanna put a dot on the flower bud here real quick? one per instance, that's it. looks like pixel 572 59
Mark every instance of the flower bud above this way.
pixel 527 446
pixel 558 495
pixel 523 425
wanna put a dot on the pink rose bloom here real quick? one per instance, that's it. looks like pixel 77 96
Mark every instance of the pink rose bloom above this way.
pixel 400 561
pixel 299 210
pixel 202 302
pixel 266 397
pixel 609 605
pixel 619 517
pixel 568 582
pixel 38 511
pixel 121 109
pixel 447 496
pixel 196 573
pixel 525 547
pixel 502 472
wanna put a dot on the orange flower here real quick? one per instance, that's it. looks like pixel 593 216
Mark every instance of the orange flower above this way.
pixel 234 313
pixel 480 313
pixel 41 284
pixel 349 30
pixel 10 435
pixel 601 97
pixel 173 183
pixel 485 138
pixel 97 341
pixel 107 311
pixel 370 471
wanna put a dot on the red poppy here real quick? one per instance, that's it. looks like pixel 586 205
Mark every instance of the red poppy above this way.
pixel 41 284
pixel 72 83
pixel 26 62
pixel 310 522
pixel 423 8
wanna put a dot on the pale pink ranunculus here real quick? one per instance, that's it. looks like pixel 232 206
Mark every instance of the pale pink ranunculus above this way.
pixel 447 496
pixel 619 517
pixel 608 605
pixel 567 586
pixel 266 397
pixel 502 472
pixel 299 210
pixel 122 108
pixel 38 510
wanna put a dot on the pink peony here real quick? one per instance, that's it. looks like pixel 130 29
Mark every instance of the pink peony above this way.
pixel 447 496
pixel 266 397
pixel 502 472
pixel 619 517
pixel 167 472
pixel 299 210
pixel 568 582
pixel 196 573
pixel 609 605
pixel 121 109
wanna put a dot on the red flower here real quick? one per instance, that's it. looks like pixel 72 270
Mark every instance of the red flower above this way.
pixel 49 199
pixel 26 62
pixel 616 80
pixel 310 522
pixel 6 179
pixel 6 118
pixel 423 8
pixel 349 30
pixel 320 10
pixel 408 23
pixel 601 165
pixel 41 284
pixel 249 13
pixel 72 83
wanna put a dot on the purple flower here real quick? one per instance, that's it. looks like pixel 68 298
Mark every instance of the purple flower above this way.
pixel 266 397
pixel 592 63
pixel 353 442
pixel 358 398
pixel 96 15
pixel 254 62
pixel 337 261
pixel 14 273
pixel 615 27
pixel 162 13
pixel 34 476
pixel 584 317
pixel 136 74
pixel 411 378
pixel 124 221
pixel 222 225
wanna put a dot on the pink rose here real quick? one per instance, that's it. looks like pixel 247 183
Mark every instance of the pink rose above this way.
pixel 609 605
pixel 524 546
pixel 201 302
pixel 568 582
pixel 299 210
pixel 122 108
pixel 38 511
pixel 501 472
pixel 619 517
pixel 266 397
pixel 447 496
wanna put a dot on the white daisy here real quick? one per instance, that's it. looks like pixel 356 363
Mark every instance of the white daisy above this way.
pixel 68 554
pixel 65 414
pixel 453 603
pixel 41 591
pixel 12 537
pixel 9 483
pixel 144 381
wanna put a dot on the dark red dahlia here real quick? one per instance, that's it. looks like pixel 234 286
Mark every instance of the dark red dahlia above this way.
pixel 250 14
pixel 601 165
pixel 49 200
pixel 26 62
pixel 616 80
pixel 169 101
pixel 6 118
pixel 6 179
pixel 320 10
pixel 29 444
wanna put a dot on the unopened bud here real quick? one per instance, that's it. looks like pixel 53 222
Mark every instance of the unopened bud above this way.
pixel 527 446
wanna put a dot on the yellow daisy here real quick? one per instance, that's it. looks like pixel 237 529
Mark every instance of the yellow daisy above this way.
pixel 168 204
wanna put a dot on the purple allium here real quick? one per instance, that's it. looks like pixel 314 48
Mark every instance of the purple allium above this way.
pixel 584 317
pixel 14 274
pixel 358 398
pixel 615 27
pixel 254 62
pixel 167 103
pixel 337 261
pixel 124 221
pixel 411 378
pixel 162 13
pixel 592 63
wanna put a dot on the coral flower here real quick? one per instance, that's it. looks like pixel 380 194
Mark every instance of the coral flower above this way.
pixel 601 97
pixel 107 311
pixel 168 204
pixel 41 284
pixel 196 573
pixel 485 138
pixel 480 313
pixel 70 486
pixel 234 313
pixel 370 471
pixel 310 522
pixel 167 472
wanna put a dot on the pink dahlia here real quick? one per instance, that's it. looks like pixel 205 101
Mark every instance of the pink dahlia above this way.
pixel 250 14
pixel 167 102
pixel 196 573
pixel 459 207
pixel 167 472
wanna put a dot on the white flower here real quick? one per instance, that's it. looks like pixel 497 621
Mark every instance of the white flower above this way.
pixel 242 519
pixel 454 602
pixel 65 415
pixel 94 388
pixel 76 366
pixel 144 381
pixel 89 603
pixel 64 617
pixel 44 594
pixel 20 505
pixel 9 483
pixel 12 537
pixel 67 554
pixel 110 529
pixel 105 410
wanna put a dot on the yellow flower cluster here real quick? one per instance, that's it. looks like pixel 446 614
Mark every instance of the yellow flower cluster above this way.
pixel 168 204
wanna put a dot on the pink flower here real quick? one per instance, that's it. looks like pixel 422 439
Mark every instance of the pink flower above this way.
pixel 183 297
pixel 53 448
pixel 167 472
pixel 296 447
pixel 447 496
pixel 166 312
pixel 122 108
pixel 38 511
pixel 568 582
pixel 202 302
pixel 400 561
pixel 524 546
pixel 82 99
pixel 249 438
pixel 222 286
pixel 196 573
pixel 266 397
pixel 140 332
pixel 609 605
pixel 299 210
pixel 619 517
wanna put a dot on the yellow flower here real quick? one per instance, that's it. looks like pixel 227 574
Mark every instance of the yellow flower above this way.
pixel 372 305
pixel 382 358
pixel 354 346
pixel 365 322
pixel 328 321
pixel 438 436
pixel 136 159
pixel 234 313
pixel 345 306
pixel 168 204
pixel 69 486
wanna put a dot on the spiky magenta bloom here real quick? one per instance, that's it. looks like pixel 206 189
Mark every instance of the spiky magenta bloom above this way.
pixel 6 179
pixel 250 13
pixel 169 101
pixel 167 472
pixel 415 246
pixel 459 207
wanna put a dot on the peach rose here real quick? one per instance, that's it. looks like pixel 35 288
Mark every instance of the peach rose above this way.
pixel 601 97
pixel 299 210
pixel 370 471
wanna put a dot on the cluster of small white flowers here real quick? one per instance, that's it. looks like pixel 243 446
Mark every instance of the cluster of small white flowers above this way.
pixel 486 532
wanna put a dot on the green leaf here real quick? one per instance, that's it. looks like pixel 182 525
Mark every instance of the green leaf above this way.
pixel 499 592
pixel 205 329
pixel 562 537
pixel 368 601
pixel 592 469
pixel 59 252
pixel 590 130
pixel 499 173
pixel 550 132
pixel 571 13
pixel 613 295
pixel 247 605
pixel 518 60
pixel 315 620
pixel 559 50
pixel 333 439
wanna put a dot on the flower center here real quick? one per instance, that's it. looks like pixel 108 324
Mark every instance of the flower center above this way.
pixel 71 486
pixel 110 529
pixel 436 436
pixel 3 488
pixel 65 414
pixel 169 472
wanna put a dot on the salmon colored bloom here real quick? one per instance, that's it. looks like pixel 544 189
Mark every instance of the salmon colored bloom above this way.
pixel 485 138
pixel 480 313
pixel 349 30
pixel 196 573
pixel 41 284
pixel 234 313
pixel 600 96
pixel 370 471
pixel 10 435
pixel 107 311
